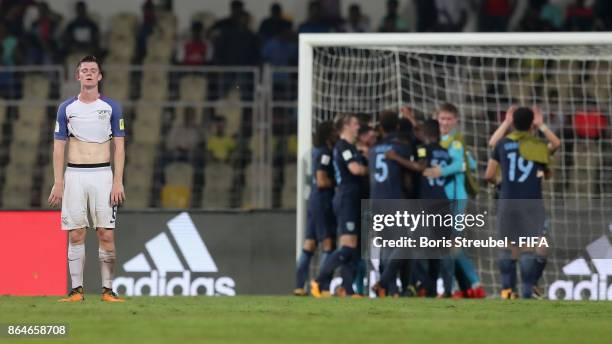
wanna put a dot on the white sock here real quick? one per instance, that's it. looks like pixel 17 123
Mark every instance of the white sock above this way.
pixel 76 262
pixel 107 267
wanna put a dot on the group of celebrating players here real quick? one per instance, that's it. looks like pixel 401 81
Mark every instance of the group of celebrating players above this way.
pixel 406 159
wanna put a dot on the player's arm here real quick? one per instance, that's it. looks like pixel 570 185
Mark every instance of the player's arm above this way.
pixel 323 180
pixel 407 113
pixel 405 163
pixel 491 172
pixel 57 191
pixel 118 131
pixel 538 121
pixel 118 193
pixel 60 135
pixel 455 151
pixel 357 169
pixel 493 166
pixel 503 127
pixel 322 176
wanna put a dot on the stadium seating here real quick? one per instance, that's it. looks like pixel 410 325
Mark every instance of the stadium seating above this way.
pixel 175 196
pixel 218 178
pixel 193 88
pixel 289 193
pixel 258 179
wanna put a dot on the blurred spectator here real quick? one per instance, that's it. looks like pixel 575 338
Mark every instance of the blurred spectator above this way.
pixel 315 23
pixel 218 144
pixel 552 15
pixel 282 50
pixel 231 22
pixel 603 11
pixel 197 51
pixel 452 15
pixel 578 17
pixel 273 25
pixel 392 21
pixel 148 25
pixel 82 34
pixel 427 15
pixel 12 12
pixel 183 138
pixel 9 56
pixel 495 15
pixel 531 21
pixel 42 45
pixel 236 44
pixel 331 12
pixel 356 21
pixel 10 47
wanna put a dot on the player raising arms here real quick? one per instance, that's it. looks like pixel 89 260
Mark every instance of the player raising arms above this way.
pixel 347 208
pixel 524 160
pixel 320 226
pixel 88 122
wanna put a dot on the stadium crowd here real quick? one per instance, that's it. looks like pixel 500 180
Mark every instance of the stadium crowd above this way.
pixel 31 33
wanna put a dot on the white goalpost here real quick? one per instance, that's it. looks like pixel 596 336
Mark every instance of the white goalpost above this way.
pixel 568 75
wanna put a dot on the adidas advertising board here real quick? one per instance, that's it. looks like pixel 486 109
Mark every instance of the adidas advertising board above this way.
pixel 593 284
pixel 202 253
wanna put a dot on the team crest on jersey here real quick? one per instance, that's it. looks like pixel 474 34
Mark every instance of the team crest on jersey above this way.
pixel 325 159
pixel 102 114
pixel 350 226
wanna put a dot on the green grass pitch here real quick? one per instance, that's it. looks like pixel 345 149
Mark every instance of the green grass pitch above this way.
pixel 270 319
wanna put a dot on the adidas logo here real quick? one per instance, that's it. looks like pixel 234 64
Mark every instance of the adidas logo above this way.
pixel 597 287
pixel 166 261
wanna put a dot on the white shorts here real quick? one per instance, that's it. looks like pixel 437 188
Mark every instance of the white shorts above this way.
pixel 88 187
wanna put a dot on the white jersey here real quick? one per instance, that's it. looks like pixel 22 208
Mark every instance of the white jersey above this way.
pixel 95 122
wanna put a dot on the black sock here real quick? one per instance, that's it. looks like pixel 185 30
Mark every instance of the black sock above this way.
pixel 507 269
pixel 339 256
pixel 302 268
pixel 540 264
pixel 527 265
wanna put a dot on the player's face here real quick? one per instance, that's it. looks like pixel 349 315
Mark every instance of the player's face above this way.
pixel 447 122
pixel 89 74
pixel 352 128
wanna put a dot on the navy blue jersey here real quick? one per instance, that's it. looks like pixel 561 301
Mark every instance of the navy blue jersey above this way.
pixel 521 178
pixel 365 181
pixel 344 154
pixel 434 155
pixel 387 176
pixel 321 161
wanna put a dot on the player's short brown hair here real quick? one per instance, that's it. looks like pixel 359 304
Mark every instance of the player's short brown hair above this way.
pixel 90 58
pixel 450 108
pixel 343 119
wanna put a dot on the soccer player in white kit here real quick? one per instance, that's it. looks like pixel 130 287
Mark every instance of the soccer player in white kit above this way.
pixel 88 123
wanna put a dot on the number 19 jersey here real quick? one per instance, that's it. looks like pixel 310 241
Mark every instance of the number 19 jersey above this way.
pixel 521 178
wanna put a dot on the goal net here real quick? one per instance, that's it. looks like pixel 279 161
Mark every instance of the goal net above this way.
pixel 567 75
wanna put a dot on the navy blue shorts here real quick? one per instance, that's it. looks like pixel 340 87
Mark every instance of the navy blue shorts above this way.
pixel 348 214
pixel 320 223
pixel 520 218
